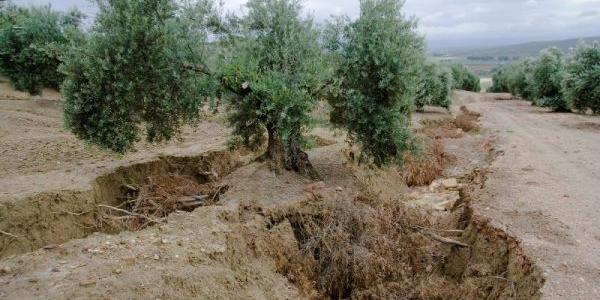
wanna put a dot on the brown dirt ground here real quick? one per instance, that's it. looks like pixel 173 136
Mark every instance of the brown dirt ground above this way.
pixel 38 154
pixel 543 187
pixel 8 93
pixel 215 252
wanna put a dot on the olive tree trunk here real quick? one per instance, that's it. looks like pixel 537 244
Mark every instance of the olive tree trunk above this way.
pixel 290 156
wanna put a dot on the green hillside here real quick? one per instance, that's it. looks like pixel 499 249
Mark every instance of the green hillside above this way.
pixel 530 49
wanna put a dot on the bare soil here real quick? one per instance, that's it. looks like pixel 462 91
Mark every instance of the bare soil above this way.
pixel 543 187
pixel 52 246
pixel 39 155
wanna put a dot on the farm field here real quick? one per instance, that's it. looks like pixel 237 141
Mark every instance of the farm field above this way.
pixel 531 172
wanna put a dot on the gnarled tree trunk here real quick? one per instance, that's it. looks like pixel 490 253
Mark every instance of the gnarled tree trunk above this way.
pixel 298 161
pixel 290 156
pixel 275 149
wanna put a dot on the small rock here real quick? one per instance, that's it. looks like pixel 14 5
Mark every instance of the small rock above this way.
pixel 435 186
pixel 50 247
pixel 117 271
pixel 86 283
pixel 339 189
pixel 163 241
pixel 5 270
pixel 445 206
pixel 55 270
pixel 439 201
pixel 156 257
pixel 450 183
pixel 414 195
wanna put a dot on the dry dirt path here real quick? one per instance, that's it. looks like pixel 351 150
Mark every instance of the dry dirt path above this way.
pixel 545 188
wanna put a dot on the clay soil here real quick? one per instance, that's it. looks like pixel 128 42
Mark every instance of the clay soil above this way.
pixel 54 245
pixel 543 187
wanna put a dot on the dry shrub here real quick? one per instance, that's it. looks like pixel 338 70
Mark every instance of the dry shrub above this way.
pixel 371 248
pixel 440 129
pixel 468 112
pixel 158 197
pixel 362 248
pixel 437 287
pixel 424 169
pixel 292 264
pixel 419 171
pixel 448 128
pixel 467 120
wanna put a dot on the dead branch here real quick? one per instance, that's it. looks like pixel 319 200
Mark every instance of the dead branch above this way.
pixel 131 187
pixel 70 213
pixel 8 234
pixel 218 192
pixel 441 230
pixel 132 213
pixel 200 197
pixel 444 240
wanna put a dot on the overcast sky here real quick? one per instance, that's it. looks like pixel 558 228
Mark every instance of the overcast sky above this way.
pixel 449 24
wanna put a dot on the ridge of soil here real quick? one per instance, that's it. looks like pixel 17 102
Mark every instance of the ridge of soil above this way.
pixel 56 217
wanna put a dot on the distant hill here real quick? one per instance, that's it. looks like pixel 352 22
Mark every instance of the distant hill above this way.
pixel 531 49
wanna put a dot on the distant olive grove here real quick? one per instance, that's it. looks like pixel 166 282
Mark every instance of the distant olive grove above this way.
pixel 562 83
pixel 31 42
pixel 144 68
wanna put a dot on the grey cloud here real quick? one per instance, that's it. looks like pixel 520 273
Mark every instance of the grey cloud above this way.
pixel 454 23
pixel 589 13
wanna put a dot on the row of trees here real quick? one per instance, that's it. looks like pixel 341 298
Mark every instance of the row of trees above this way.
pixel 463 79
pixel 554 80
pixel 32 40
pixel 146 66
pixel 435 88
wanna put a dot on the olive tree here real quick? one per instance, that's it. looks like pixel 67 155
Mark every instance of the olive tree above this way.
pixel 434 87
pixel 31 41
pixel 463 79
pixel 140 69
pixel 582 79
pixel 334 42
pixel 275 74
pixel 548 75
pixel 382 54
pixel 516 79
